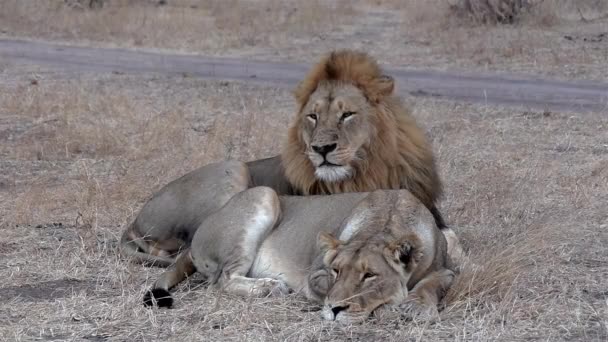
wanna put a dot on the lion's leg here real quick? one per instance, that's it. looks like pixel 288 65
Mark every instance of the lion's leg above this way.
pixel 259 287
pixel 319 283
pixel 455 251
pixel 264 218
pixel 139 250
pixel 183 268
pixel 423 299
pixel 168 221
pixel 244 222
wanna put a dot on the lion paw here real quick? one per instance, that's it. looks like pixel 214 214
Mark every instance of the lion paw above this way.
pixel 270 287
pixel 415 310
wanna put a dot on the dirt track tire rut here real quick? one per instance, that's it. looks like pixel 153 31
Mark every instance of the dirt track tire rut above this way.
pixel 531 92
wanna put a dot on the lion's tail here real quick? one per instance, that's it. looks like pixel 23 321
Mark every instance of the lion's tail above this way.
pixel 159 293
pixel 132 245
pixel 438 218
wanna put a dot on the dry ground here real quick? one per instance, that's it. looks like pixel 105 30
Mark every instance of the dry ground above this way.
pixel 80 153
pixel 527 192
pixel 561 38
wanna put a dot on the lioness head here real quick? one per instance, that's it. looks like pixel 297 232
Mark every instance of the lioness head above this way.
pixel 367 274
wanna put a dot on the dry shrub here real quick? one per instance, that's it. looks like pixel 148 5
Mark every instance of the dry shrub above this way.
pixel 550 12
pixel 490 11
pixel 546 12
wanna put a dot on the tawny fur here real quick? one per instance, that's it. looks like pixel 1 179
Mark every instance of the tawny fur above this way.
pixel 399 156
pixel 354 252
pixel 395 155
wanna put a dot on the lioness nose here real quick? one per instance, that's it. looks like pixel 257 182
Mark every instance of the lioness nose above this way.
pixel 337 309
pixel 324 149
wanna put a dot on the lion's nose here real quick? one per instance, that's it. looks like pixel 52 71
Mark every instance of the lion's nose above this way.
pixel 324 149
pixel 336 310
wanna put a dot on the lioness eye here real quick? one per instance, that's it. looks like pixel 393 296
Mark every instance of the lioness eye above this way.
pixel 312 117
pixel 346 115
pixel 368 276
pixel 335 271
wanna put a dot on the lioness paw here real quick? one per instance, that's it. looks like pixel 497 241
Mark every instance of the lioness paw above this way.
pixel 414 309
pixel 270 287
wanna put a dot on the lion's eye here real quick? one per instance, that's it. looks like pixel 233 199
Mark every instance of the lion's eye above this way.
pixel 346 115
pixel 312 117
pixel 368 275
pixel 335 271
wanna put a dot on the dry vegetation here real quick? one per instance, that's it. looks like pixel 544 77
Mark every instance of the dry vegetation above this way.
pixel 562 38
pixel 517 11
pixel 79 154
pixel 525 190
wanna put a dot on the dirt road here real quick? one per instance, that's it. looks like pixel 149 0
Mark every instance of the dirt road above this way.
pixel 580 96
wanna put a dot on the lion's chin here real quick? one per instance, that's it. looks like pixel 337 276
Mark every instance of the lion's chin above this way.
pixel 333 174
pixel 344 317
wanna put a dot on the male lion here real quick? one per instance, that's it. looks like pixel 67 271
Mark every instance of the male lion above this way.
pixel 351 134
pixel 388 251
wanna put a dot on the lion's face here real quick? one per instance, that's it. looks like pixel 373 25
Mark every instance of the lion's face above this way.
pixel 365 276
pixel 335 126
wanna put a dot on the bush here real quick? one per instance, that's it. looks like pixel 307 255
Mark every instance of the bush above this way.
pixel 490 11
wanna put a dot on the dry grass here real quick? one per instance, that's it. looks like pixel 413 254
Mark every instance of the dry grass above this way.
pixel 190 25
pixel 561 38
pixel 525 190
pixel 546 12
pixel 492 12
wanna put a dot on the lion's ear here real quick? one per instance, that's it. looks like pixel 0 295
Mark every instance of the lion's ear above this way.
pixel 386 85
pixel 404 251
pixel 327 242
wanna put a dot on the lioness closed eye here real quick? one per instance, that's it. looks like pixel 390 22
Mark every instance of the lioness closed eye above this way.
pixel 354 252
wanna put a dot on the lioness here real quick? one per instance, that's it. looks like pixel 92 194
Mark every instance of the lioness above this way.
pixel 388 250
pixel 351 134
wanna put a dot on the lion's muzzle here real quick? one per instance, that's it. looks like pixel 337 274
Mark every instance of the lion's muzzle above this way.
pixel 330 164
pixel 343 314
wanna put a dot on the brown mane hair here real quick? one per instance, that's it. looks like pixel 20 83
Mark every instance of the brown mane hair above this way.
pixel 348 66
pixel 398 155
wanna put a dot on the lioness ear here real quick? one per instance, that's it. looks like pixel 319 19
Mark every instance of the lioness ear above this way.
pixel 327 242
pixel 405 251
pixel 328 245
pixel 386 85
